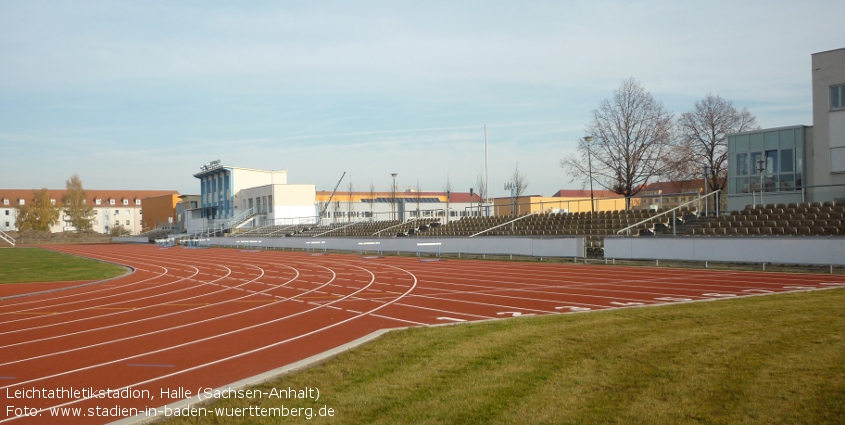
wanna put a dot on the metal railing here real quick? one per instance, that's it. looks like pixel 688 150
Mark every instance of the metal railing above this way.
pixel 242 217
pixel 398 225
pixel 503 224
pixel 627 230
pixel 804 190
pixel 7 238
pixel 335 229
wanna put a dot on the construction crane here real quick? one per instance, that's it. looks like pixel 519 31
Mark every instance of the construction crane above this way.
pixel 329 202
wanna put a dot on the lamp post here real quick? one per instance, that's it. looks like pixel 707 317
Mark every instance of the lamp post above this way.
pixel 448 199
pixel 761 167
pixel 510 186
pixel 588 140
pixel 705 171
pixel 393 197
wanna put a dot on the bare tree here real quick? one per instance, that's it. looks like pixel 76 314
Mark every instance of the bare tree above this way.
pixel 350 206
pixel 372 199
pixel 631 134
pixel 517 184
pixel 481 184
pixel 703 139
pixel 40 214
pixel 519 181
pixel 74 201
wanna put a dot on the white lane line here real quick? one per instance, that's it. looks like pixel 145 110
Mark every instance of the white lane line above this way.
pixel 573 308
pixel 626 304
pixel 150 318
pixel 451 319
pixel 200 366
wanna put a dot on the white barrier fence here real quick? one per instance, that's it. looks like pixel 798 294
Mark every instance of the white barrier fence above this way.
pixel 814 250
pixel 572 247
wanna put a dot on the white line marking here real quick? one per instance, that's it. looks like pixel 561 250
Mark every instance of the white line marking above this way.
pixel 451 319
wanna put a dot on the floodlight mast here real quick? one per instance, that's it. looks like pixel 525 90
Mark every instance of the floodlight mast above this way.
pixel 486 175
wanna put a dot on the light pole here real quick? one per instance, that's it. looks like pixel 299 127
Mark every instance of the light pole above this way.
pixel 588 140
pixel 448 199
pixel 705 170
pixel 393 197
pixel 761 167
pixel 511 186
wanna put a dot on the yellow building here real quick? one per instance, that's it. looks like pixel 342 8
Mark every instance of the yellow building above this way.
pixel 566 200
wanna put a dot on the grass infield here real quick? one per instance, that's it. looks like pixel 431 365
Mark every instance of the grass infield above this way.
pixel 772 359
pixel 20 265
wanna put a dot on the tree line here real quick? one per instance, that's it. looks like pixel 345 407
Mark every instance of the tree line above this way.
pixel 633 140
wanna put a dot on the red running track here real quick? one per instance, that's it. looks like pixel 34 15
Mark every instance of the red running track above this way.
pixel 196 319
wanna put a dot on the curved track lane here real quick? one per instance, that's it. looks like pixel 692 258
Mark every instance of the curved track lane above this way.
pixel 204 318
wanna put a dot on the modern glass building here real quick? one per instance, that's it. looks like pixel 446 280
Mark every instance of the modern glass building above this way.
pixel 798 163
pixel 768 161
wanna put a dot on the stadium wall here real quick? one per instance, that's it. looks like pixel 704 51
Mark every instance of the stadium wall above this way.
pixel 816 250
pixel 534 247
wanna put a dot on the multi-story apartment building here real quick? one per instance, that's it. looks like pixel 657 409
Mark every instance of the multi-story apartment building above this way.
pixel 111 208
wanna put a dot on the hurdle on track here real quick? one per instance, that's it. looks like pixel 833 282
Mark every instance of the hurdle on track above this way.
pixel 419 250
pixel 165 243
pixel 361 246
pixel 248 245
pixel 195 243
pixel 309 244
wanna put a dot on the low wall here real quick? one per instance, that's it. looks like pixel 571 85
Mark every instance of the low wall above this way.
pixel 130 239
pixel 551 247
pixel 817 250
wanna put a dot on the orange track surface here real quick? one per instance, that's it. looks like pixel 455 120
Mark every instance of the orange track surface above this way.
pixel 205 318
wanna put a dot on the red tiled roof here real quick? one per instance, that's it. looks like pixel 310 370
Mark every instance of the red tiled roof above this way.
pixel 13 195
pixel 454 196
pixel 680 186
pixel 585 193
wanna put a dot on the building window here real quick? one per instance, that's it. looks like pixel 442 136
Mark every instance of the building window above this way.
pixel 21 202
pixel 137 202
pixel 125 202
pixel 116 212
pixel 111 201
pixel 96 223
pixel 837 97
pixel 7 212
pixel 5 202
pixel 98 201
pixel 95 212
pixel 7 224
pixel 127 222
pixel 778 151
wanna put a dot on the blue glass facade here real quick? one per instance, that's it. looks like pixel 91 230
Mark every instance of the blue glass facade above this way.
pixel 216 196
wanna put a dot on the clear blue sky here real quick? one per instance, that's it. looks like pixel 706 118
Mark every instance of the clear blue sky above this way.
pixel 139 94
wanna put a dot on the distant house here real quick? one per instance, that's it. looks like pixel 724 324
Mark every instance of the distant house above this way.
pixel 112 208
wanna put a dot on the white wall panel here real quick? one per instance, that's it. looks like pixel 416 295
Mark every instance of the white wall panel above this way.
pixel 781 250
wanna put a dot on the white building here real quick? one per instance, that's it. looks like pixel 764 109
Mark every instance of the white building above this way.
pixel 230 195
pixel 111 208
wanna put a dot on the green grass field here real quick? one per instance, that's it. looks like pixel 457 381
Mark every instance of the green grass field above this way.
pixel 777 359
pixel 20 265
